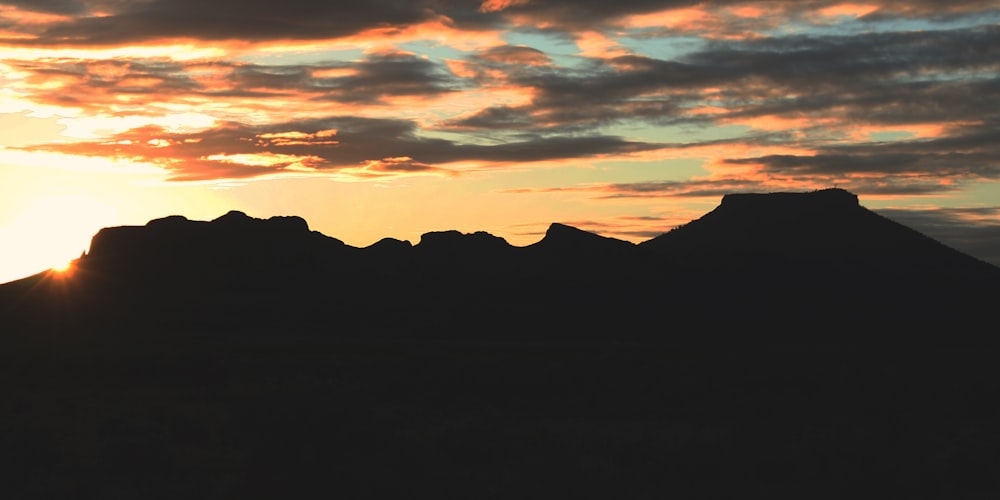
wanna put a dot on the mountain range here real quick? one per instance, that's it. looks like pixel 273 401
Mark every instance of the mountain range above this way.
pixel 785 345
pixel 781 263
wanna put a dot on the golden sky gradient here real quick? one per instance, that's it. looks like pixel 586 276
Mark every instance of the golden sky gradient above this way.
pixel 392 118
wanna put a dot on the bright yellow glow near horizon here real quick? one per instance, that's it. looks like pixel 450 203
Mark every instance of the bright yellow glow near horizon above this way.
pixel 51 232
pixel 63 268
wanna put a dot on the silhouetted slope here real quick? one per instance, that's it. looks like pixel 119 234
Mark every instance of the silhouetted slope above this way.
pixel 231 240
pixel 561 240
pixel 787 263
pixel 453 251
pixel 791 345
pixel 824 226
pixel 822 257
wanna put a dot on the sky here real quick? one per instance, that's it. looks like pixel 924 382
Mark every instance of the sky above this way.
pixel 392 118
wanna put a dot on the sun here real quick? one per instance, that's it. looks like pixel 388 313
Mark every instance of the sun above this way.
pixel 51 234
pixel 63 271
pixel 63 268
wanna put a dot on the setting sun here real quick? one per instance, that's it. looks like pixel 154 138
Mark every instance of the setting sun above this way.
pixel 63 268
pixel 53 231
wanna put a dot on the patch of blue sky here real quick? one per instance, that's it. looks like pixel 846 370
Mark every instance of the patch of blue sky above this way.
pixel 660 47
pixel 977 193
pixel 677 133
pixel 792 28
pixel 433 49
pixel 843 26
pixel 303 57
pixel 667 169
pixel 589 172
pixel 963 76
pixel 849 25
pixel 891 135
pixel 485 138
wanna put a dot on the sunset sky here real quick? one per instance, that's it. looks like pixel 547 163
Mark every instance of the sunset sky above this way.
pixel 394 118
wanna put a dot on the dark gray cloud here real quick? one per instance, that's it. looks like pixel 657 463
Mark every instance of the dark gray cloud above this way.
pixel 263 20
pixel 97 84
pixel 839 60
pixel 247 20
pixel 505 56
pixel 65 7
pixel 328 145
pixel 718 187
pixel 714 188
pixel 975 231
pixel 587 14
pixel 876 78
pixel 887 80
pixel 383 75
pixel 497 118
pixel 969 152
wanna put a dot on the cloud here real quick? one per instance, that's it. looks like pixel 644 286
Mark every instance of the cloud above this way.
pixel 507 55
pixel 388 74
pixel 246 20
pixel 974 231
pixel 67 7
pixel 336 144
pixel 801 77
pixel 738 19
pixel 969 152
pixel 114 22
pixel 701 188
pixel 804 100
pixel 152 85
pixel 716 188
pixel 877 109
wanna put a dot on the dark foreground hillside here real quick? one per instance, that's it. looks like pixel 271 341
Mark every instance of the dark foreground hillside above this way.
pixel 790 345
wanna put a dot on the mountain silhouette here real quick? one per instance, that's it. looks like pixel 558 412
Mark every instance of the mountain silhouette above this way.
pixel 564 240
pixel 795 345
pixel 828 225
pixel 772 262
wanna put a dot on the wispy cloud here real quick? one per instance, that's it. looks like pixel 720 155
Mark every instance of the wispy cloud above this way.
pixel 346 144
pixel 883 97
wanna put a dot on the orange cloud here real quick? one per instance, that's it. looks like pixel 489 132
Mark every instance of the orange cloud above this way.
pixel 333 72
pixel 706 110
pixel 686 19
pixel 133 82
pixel 462 69
pixel 440 30
pixel 173 50
pixel 323 137
pixel 749 11
pixel 396 166
pixel 599 45
pixel 15 16
pixel 914 130
pixel 848 9
pixel 267 160
pixel 498 5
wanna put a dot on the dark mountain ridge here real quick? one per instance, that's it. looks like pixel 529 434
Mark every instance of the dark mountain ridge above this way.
pixel 794 345
pixel 776 262
pixel 822 224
